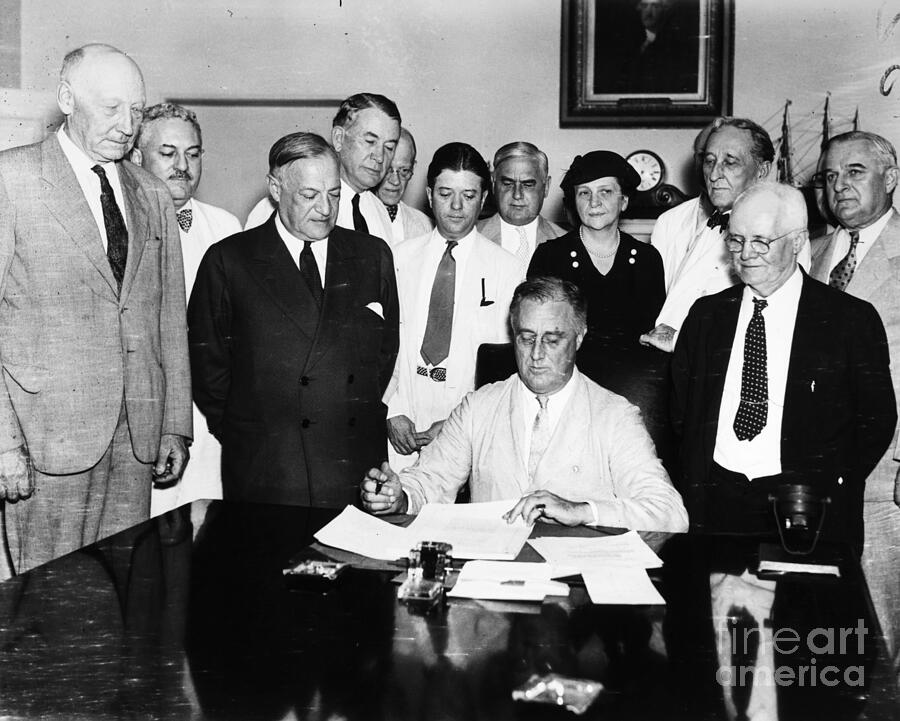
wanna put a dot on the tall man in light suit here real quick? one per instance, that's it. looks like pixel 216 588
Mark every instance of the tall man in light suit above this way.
pixel 779 380
pixel 565 448
pixel 454 287
pixel 862 257
pixel 170 145
pixel 406 221
pixel 293 332
pixel 521 181
pixel 96 386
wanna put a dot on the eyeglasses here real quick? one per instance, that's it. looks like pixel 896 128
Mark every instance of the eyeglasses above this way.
pixel 402 173
pixel 735 243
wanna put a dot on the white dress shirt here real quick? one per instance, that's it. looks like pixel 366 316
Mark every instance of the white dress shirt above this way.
pixel 295 247
pixel 372 209
pixel 90 181
pixel 209 224
pixel 867 238
pixel 510 238
pixel 760 456
pixel 556 404
pixel 409 223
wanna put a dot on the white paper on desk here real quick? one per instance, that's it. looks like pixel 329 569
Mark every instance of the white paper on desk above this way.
pixel 358 532
pixel 628 586
pixel 627 550
pixel 475 530
pixel 508 581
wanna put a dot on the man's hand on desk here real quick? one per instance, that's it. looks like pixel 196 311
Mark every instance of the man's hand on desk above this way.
pixel 402 435
pixel 16 475
pixel 662 337
pixel 426 437
pixel 171 459
pixel 380 491
pixel 549 506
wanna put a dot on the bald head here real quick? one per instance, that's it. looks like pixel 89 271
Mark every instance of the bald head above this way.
pixel 766 232
pixel 101 93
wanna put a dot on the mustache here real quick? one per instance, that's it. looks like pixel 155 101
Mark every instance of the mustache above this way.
pixel 181 175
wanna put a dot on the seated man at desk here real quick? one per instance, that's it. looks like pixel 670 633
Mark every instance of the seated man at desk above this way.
pixel 570 450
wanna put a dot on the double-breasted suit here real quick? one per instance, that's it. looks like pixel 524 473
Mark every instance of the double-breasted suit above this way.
pixel 839 411
pixel 72 347
pixel 292 393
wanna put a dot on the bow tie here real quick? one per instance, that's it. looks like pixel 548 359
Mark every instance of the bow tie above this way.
pixel 185 217
pixel 720 219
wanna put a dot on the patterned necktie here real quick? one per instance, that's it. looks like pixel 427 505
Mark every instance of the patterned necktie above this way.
pixel 540 436
pixel 392 212
pixel 843 271
pixel 753 410
pixel 436 342
pixel 309 269
pixel 359 223
pixel 522 250
pixel 116 232
pixel 720 219
pixel 185 217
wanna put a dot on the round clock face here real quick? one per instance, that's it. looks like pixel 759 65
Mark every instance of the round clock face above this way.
pixel 649 166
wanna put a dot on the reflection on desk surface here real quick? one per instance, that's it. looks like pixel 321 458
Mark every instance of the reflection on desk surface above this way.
pixel 182 620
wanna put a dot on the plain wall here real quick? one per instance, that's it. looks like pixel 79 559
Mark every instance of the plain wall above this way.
pixel 482 72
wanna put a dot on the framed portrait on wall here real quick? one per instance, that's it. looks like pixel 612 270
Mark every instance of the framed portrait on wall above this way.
pixel 645 62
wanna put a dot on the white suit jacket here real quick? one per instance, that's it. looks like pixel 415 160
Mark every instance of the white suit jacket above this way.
pixel 479 316
pixel 600 451
pixel 203 476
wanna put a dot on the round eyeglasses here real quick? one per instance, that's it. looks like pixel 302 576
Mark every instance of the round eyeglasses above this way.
pixel 735 243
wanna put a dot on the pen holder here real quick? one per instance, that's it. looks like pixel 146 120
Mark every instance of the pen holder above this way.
pixel 427 566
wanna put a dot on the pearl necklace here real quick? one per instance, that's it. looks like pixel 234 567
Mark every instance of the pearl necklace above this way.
pixel 597 255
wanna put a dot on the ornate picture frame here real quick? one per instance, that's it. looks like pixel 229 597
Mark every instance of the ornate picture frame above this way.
pixel 631 63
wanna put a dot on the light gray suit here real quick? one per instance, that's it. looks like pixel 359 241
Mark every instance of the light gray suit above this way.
pixel 546 230
pixel 76 355
pixel 877 280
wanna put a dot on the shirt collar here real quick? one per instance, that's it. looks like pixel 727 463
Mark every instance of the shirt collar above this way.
pixel 559 399
pixel 788 293
pixel 527 227
pixel 292 240
pixel 870 233
pixel 77 158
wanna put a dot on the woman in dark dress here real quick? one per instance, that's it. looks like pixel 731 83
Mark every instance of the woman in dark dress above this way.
pixel 621 277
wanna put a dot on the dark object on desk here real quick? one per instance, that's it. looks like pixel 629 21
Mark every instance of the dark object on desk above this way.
pixel 799 511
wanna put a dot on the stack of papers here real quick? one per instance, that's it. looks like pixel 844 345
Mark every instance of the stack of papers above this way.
pixel 508 581
pixel 613 567
pixel 475 530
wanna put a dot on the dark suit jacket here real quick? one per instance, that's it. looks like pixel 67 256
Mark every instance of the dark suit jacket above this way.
pixel 839 412
pixel 294 397
pixel 72 346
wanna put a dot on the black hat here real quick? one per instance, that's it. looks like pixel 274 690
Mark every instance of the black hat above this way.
pixel 600 164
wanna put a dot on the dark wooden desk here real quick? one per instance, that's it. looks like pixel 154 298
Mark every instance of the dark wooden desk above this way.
pixel 166 621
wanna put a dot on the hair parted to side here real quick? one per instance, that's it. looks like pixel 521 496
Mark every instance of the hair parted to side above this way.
pixel 458 157
pixel 547 288
pixel 523 149
pixel 761 148
pixel 351 107
pixel 881 145
pixel 298 146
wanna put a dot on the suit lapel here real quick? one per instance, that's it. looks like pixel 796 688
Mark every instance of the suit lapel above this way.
pixel 516 412
pixel 721 340
pixel 64 198
pixel 568 440
pixel 340 285
pixel 137 220
pixel 875 269
pixel 273 267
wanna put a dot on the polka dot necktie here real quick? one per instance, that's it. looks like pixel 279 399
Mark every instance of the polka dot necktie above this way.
pixel 754 408
pixel 843 271
pixel 392 211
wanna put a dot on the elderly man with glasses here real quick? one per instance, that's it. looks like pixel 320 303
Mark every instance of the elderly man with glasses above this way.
pixel 406 221
pixel 779 380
